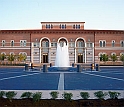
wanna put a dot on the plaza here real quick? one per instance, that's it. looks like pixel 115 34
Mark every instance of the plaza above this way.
pixel 108 78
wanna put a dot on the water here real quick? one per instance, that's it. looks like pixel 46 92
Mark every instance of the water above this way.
pixel 62 56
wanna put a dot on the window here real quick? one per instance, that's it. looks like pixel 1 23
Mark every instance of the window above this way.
pixel 61 43
pixel 80 44
pixel 36 44
pixel 122 53
pixel 63 26
pixel 3 43
pixel 3 53
pixel 11 53
pixel 22 42
pixel 102 43
pixel 12 43
pixel 71 44
pixel 113 43
pixel 54 44
pixel 122 43
pixel 76 26
pixel 90 45
pixel 113 53
pixel 45 44
pixel 49 26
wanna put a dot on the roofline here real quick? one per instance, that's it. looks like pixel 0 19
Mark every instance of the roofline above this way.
pixel 60 22
pixel 58 30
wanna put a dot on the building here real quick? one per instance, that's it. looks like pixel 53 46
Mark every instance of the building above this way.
pixel 85 46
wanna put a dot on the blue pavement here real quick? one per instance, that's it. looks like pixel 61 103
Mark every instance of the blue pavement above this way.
pixel 18 79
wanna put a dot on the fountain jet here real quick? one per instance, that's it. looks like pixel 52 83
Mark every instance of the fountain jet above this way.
pixel 62 56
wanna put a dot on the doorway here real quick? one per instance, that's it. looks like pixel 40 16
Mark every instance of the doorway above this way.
pixel 80 58
pixel 45 58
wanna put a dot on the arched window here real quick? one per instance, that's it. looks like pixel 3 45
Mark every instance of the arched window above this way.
pixel 113 53
pixel 12 43
pixel 45 44
pixel 3 43
pixel 3 53
pixel 80 44
pixel 122 43
pixel 104 43
pixel 100 43
pixel 113 43
pixel 11 53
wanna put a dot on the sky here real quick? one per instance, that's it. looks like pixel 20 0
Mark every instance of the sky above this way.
pixel 27 14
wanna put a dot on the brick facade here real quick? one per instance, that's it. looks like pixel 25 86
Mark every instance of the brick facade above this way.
pixel 73 34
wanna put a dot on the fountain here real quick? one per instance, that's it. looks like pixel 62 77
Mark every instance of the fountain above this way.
pixel 62 62
pixel 62 56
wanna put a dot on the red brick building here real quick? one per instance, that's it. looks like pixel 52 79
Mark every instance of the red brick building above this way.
pixel 85 46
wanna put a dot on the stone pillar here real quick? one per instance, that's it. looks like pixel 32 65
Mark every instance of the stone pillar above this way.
pixel 78 68
pixel 50 64
pixel 26 67
pixel 44 68
pixel 97 67
pixel 72 64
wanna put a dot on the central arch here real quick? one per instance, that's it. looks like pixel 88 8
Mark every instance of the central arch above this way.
pixel 61 40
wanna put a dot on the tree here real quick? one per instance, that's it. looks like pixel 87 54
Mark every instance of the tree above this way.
pixel 104 57
pixel 114 57
pixel 11 58
pixel 122 58
pixel 2 57
pixel 22 57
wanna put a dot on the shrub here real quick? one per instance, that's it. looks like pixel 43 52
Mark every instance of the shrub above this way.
pixel 84 95
pixel 37 96
pixel 67 96
pixel 113 95
pixel 100 94
pixel 26 95
pixel 10 95
pixel 54 94
pixel 2 93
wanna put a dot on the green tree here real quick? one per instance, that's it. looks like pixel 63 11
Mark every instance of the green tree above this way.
pixel 22 57
pixel 114 57
pixel 122 58
pixel 104 57
pixel 2 57
pixel 11 58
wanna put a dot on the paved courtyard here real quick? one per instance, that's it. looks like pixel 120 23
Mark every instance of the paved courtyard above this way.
pixel 108 78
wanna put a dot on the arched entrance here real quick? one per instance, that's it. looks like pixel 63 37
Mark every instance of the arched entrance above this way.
pixel 44 50
pixel 62 40
pixel 80 50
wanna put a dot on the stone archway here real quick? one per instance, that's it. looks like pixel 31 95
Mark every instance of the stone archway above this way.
pixel 44 50
pixel 80 50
